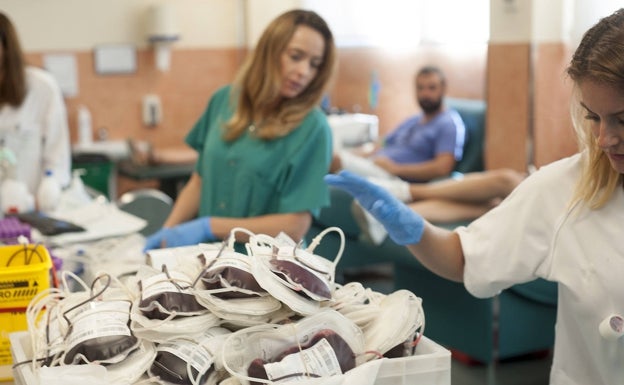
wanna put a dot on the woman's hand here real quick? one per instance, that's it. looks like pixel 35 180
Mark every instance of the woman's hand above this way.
pixel 404 226
pixel 188 233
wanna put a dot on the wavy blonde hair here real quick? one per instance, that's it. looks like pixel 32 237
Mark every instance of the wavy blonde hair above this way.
pixel 257 85
pixel 599 58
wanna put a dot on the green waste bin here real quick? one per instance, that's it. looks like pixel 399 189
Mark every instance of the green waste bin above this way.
pixel 98 172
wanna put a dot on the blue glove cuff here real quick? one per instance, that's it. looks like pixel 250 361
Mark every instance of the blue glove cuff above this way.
pixel 404 226
pixel 188 233
pixel 208 229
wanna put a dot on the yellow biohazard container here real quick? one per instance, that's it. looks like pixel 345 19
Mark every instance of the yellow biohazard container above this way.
pixel 24 272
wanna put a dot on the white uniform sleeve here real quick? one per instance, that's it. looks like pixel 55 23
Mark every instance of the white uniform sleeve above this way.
pixel 511 244
pixel 56 146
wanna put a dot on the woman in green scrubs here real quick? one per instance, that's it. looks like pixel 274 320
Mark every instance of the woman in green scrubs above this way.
pixel 264 145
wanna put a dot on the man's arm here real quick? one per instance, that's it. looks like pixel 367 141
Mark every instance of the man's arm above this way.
pixel 440 166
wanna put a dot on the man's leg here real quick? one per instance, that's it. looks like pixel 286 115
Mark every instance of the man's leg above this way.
pixel 441 211
pixel 447 201
pixel 360 165
pixel 396 186
pixel 477 187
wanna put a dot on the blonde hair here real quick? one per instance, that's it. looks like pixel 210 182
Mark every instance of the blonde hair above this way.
pixel 256 89
pixel 599 58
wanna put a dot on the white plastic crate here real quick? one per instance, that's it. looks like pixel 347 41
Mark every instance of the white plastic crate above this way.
pixel 431 365
pixel 21 351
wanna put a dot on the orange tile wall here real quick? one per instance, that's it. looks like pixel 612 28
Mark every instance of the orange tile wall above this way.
pixel 464 68
pixel 554 135
pixel 499 74
pixel 509 106
pixel 528 98
pixel 115 100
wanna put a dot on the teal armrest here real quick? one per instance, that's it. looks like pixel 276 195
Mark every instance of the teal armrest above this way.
pixel 473 114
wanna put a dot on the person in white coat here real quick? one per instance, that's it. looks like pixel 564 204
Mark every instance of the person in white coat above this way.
pixel 33 116
pixel 563 223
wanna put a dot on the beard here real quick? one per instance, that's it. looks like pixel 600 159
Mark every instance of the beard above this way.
pixel 429 106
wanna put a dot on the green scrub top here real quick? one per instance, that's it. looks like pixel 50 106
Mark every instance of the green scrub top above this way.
pixel 251 176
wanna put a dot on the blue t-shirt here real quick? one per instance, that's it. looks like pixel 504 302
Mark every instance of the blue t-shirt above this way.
pixel 415 142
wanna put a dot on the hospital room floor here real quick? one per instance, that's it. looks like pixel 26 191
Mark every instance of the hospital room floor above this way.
pixel 526 371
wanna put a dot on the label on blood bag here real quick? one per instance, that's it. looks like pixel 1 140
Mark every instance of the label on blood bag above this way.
pixel 235 261
pixel 189 352
pixel 163 283
pixel 101 319
pixel 317 361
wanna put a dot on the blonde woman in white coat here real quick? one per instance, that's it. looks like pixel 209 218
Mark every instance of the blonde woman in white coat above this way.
pixel 563 223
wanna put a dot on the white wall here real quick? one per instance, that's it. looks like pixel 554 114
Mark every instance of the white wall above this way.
pixel 53 25
pixel 546 20
pixel 586 13
pixel 57 25
pixel 549 18
pixel 510 21
pixel 259 14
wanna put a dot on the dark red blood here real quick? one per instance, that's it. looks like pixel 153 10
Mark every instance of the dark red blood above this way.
pixel 346 356
pixel 235 277
pixel 301 276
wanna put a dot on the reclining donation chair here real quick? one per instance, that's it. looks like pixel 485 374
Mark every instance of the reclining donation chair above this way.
pixel 147 203
pixel 519 321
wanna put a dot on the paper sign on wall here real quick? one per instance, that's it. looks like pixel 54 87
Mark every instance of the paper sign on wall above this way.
pixel 63 68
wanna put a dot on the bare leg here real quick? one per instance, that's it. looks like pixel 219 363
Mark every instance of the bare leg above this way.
pixel 450 200
pixel 478 187
pixel 441 211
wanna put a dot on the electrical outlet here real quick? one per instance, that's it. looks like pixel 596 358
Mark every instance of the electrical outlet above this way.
pixel 152 110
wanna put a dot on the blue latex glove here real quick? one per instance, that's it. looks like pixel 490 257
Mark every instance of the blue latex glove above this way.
pixel 187 233
pixel 404 226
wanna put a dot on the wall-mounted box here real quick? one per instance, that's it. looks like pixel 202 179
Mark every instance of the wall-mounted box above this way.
pixel 115 59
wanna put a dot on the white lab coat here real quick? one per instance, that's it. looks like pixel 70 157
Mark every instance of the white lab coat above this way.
pixel 534 233
pixel 37 131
